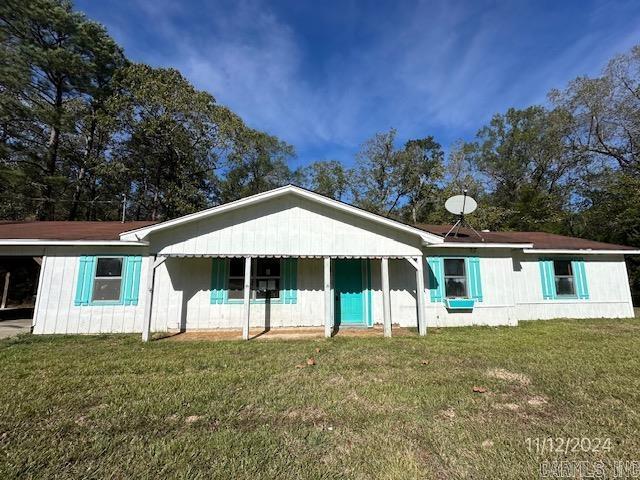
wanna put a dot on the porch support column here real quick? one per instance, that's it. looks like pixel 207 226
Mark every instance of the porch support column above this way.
pixel 247 298
pixel 386 296
pixel 152 264
pixel 328 315
pixel 422 323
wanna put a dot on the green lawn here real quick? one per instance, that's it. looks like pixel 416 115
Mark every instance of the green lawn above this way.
pixel 112 407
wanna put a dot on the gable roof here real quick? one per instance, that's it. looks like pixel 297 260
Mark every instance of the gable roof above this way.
pixel 538 240
pixel 142 233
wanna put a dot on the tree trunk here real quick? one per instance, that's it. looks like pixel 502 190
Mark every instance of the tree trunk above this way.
pixel 75 203
pixel 53 145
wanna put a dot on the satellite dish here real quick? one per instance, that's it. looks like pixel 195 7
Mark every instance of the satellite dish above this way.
pixel 461 205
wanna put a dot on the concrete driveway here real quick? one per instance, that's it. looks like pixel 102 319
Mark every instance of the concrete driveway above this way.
pixel 9 328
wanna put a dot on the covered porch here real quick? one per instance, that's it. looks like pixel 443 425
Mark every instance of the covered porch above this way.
pixel 268 296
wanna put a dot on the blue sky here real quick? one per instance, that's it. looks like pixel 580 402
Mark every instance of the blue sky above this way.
pixel 327 75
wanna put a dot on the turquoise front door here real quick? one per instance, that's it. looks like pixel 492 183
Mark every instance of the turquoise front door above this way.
pixel 350 299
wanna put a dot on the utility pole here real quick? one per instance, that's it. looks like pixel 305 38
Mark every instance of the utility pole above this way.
pixel 124 206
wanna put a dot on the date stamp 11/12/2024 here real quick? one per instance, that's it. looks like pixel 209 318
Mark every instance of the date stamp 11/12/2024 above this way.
pixel 567 468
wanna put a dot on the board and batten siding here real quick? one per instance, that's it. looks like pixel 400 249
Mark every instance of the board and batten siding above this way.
pixel 56 311
pixel 182 299
pixel 498 302
pixel 607 279
pixel 286 226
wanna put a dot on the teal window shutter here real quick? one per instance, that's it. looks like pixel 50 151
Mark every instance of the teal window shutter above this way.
pixel 219 268
pixel 85 280
pixel 436 278
pixel 131 285
pixel 473 277
pixel 289 290
pixel 580 279
pixel 547 278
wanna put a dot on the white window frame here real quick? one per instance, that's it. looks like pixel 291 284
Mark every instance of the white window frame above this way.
pixel 465 276
pixel 96 277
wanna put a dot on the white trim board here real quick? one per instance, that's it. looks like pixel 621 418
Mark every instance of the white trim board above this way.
pixel 580 252
pixel 42 243
pixel 141 233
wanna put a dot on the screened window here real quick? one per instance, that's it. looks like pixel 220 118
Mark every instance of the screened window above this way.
pixel 265 278
pixel 564 279
pixel 107 282
pixel 455 278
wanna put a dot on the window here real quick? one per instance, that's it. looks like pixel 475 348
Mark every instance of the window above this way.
pixel 107 282
pixel 455 278
pixel 265 278
pixel 563 273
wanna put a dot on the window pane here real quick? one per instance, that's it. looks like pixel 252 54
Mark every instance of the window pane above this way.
pixel 564 286
pixel 236 288
pixel 268 267
pixel 267 288
pixel 455 287
pixel 562 267
pixel 454 267
pixel 236 267
pixel 109 267
pixel 106 289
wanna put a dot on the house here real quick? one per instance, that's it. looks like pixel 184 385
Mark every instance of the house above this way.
pixel 290 257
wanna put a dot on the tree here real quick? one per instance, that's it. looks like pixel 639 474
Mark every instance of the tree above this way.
pixel 171 138
pixel 607 112
pixel 256 163
pixel 421 164
pixel 386 179
pixel 58 59
pixel 327 178
pixel 523 158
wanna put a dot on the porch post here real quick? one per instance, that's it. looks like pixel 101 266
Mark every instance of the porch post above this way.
pixel 247 298
pixel 151 271
pixel 422 323
pixel 386 297
pixel 328 316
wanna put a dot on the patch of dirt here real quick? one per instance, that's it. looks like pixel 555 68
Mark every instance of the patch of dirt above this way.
pixel 506 375
pixel 307 415
pixel 487 444
pixel 448 413
pixel 506 406
pixel 172 418
pixel 537 400
pixel 192 418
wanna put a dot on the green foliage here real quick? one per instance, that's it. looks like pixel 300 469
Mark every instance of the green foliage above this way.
pixel 256 163
pixel 56 65
pixel 327 178
pixel 387 180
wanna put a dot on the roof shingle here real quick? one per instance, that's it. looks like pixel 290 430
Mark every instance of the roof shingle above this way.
pixel 540 240
pixel 60 230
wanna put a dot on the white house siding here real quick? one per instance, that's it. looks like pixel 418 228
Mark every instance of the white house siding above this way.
pixel 285 226
pixel 511 292
pixel 182 299
pixel 55 311
pixel 498 305
pixel 609 293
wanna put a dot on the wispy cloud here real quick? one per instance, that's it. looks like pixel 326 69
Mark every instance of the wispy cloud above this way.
pixel 438 68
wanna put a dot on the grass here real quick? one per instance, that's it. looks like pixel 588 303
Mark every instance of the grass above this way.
pixel 112 407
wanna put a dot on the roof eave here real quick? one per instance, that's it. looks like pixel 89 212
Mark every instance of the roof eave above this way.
pixel 513 246
pixel 578 251
pixel 43 243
